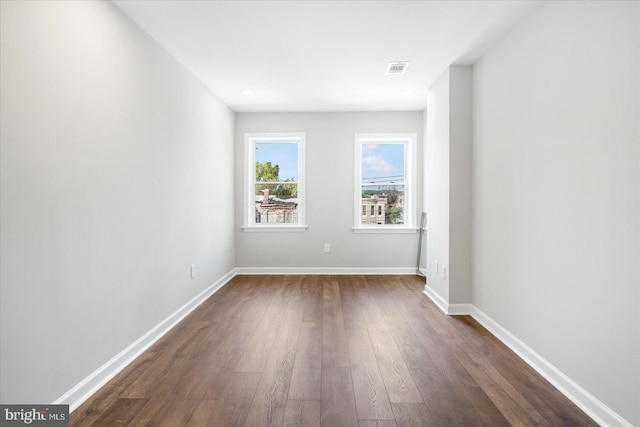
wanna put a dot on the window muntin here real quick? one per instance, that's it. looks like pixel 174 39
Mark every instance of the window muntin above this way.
pixel 275 181
pixel 384 180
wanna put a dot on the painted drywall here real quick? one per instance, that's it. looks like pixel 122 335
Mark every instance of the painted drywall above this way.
pixel 460 147
pixel 113 164
pixel 436 173
pixel 329 186
pixel 556 193
pixel 448 149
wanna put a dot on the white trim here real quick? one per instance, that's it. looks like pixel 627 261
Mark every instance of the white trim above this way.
pixel 249 173
pixel 385 230
pixel 460 309
pixel 444 306
pixel 274 228
pixel 327 270
pixel 98 378
pixel 591 405
pixel 437 299
pixel 409 140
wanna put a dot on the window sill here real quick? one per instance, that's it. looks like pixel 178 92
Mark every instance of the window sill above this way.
pixel 385 230
pixel 274 228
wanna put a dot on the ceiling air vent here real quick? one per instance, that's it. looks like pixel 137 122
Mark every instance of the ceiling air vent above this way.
pixel 397 67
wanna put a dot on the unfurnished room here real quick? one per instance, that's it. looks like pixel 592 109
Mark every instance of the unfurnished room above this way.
pixel 319 213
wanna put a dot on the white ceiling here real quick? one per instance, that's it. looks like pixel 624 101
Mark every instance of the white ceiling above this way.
pixel 323 55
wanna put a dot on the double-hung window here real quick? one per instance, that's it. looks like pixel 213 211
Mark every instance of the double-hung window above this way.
pixel 274 182
pixel 384 196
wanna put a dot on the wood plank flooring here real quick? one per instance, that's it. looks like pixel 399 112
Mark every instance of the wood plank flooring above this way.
pixel 331 351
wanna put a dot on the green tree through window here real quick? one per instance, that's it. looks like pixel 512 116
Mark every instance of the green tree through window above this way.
pixel 266 172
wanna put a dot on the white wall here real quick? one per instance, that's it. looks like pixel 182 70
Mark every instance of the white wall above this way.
pixel 460 146
pixel 436 171
pixel 448 123
pixel 556 193
pixel 111 153
pixel 330 172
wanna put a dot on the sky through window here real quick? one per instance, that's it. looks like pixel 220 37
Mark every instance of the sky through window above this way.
pixel 285 155
pixel 382 163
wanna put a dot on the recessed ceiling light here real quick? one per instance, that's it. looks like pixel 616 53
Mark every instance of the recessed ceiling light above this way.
pixel 398 67
pixel 247 92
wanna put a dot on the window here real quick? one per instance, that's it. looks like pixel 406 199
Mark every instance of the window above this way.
pixel 385 182
pixel 274 176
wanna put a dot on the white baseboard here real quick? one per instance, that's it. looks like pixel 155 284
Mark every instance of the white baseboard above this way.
pixel 445 307
pixel 437 299
pixel 327 270
pixel 460 309
pixel 91 384
pixel 593 407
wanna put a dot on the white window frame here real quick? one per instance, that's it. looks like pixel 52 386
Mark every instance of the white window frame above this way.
pixel 409 141
pixel 250 141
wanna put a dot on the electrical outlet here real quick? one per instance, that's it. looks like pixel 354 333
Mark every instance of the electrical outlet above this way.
pixel 444 272
pixel 436 266
pixel 193 271
pixel 327 248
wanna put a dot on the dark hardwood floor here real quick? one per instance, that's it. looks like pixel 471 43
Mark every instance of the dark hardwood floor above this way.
pixel 332 351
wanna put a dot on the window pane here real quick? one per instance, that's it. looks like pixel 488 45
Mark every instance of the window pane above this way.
pixel 387 204
pixel 276 162
pixel 383 163
pixel 276 203
pixel 274 180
